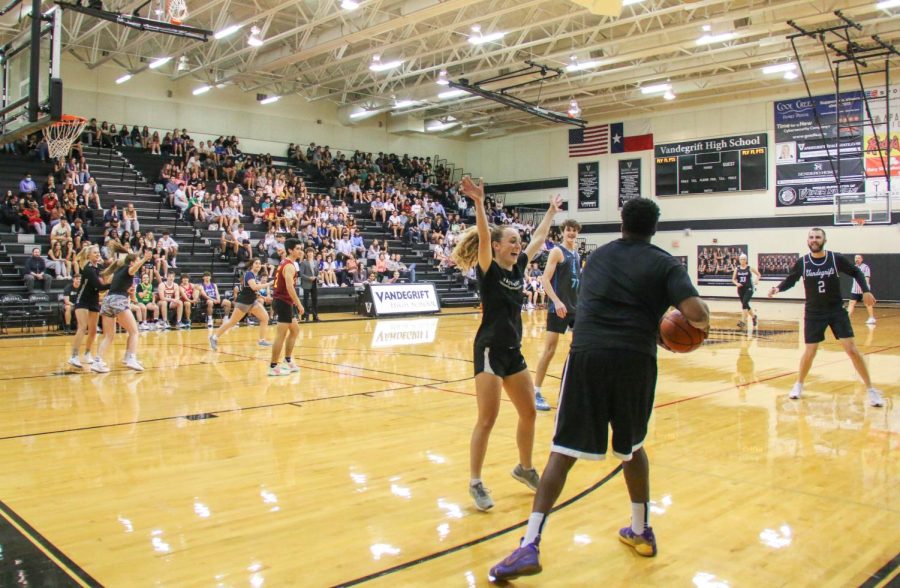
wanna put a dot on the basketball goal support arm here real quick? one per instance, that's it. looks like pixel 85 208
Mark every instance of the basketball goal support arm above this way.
pixel 140 23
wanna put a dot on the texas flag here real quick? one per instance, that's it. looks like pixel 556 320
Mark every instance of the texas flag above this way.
pixel 632 135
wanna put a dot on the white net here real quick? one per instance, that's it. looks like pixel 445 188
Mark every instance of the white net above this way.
pixel 62 134
pixel 176 11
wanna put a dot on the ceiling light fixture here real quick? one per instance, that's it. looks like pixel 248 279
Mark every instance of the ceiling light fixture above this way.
pixel 201 90
pixel 228 31
pixel 669 95
pixel 254 40
pixel 443 80
pixel 377 65
pixel 706 28
pixel 887 4
pixel 451 94
pixel 656 88
pixel 477 38
pixel 183 64
pixel 270 100
pixel 630 2
pixel 790 75
pixel 156 63
pixel 779 68
pixel 349 5
pixel 574 65
pixel 574 110
pixel 362 114
pixel 720 38
pixel 124 78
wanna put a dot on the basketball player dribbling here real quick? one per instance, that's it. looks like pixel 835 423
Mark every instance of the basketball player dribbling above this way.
pixel 286 305
pixel 500 260
pixel 610 375
pixel 560 280
pixel 825 308
pixel 743 278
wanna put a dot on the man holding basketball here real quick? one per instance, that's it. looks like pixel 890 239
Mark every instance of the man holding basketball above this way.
pixel 560 280
pixel 610 375
pixel 825 308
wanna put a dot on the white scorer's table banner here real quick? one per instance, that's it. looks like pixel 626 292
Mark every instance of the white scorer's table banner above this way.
pixel 391 299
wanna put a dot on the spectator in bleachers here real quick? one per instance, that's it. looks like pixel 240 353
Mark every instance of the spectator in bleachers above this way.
pixel 36 271
pixel 61 234
pixel 328 271
pixel 169 298
pixel 209 294
pixel 67 300
pixel 57 262
pixel 169 248
pixel 130 217
pixel 32 217
pixel 309 281
pixel 91 195
pixel 27 187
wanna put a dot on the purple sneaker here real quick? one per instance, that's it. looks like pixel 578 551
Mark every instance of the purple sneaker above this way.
pixel 643 544
pixel 524 561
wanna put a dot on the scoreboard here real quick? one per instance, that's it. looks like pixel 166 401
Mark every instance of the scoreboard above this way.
pixel 726 164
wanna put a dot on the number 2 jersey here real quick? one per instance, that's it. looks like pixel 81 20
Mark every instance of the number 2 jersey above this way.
pixel 821 280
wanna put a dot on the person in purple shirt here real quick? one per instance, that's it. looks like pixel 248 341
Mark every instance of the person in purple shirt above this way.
pixel 27 185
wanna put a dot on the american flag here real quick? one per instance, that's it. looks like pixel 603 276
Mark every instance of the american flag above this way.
pixel 589 141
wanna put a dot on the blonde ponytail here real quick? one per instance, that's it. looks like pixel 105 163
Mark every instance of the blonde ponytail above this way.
pixel 82 258
pixel 465 254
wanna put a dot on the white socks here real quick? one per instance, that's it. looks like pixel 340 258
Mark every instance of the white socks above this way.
pixel 535 528
pixel 537 389
pixel 640 517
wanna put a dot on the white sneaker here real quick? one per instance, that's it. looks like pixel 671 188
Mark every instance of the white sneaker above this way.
pixel 209 324
pixel 796 391
pixel 875 398
pixel 871 321
pixel 99 367
pixel 290 368
pixel 88 358
pixel 75 361
pixel 134 364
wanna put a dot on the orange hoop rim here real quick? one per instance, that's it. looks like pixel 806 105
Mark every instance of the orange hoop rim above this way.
pixel 858 221
pixel 69 119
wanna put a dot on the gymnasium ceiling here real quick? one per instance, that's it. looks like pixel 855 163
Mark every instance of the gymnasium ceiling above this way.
pixel 320 51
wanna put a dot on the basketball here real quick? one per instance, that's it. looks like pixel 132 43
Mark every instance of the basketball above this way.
pixel 678 335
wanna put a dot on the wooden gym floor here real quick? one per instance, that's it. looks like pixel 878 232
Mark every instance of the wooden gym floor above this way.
pixel 203 471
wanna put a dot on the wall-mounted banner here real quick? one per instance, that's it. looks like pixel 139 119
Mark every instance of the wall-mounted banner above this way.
pixel 389 299
pixel 890 146
pixel 806 158
pixel 683 259
pixel 589 185
pixel 716 263
pixel 776 266
pixel 723 164
pixel 629 180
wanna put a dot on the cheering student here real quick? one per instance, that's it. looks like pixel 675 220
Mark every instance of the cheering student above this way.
pixel 497 253
pixel 87 304
pixel 825 308
pixel 610 376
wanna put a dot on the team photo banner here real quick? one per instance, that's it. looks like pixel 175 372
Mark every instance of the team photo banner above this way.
pixel 721 164
pixel 716 263
pixel 387 299
pixel 806 156
pixel 589 185
pixel 775 266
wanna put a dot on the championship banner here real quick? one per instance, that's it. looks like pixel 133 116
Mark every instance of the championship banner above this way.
pixel 805 163
pixel 716 263
pixel 589 185
pixel 629 180
pixel 390 299
pixel 722 164
pixel 890 146
pixel 775 266
pixel 396 332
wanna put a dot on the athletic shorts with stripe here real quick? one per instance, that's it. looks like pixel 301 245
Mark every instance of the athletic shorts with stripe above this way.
pixel 499 361
pixel 601 388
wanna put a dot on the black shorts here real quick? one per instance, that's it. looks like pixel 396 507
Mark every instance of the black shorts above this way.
pixel 600 388
pixel 856 297
pixel 559 325
pixel 88 307
pixel 285 312
pixel 814 325
pixel 745 294
pixel 499 361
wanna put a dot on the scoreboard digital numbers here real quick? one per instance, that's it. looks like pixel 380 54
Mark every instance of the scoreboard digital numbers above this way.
pixel 724 164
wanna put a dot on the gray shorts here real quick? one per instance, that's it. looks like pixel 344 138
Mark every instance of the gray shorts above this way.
pixel 113 304
pixel 245 308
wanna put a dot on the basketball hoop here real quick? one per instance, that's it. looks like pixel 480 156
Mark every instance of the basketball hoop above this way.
pixel 176 11
pixel 858 221
pixel 62 134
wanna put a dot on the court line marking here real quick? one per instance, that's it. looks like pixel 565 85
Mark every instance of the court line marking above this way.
pixel 883 573
pixel 53 553
pixel 473 542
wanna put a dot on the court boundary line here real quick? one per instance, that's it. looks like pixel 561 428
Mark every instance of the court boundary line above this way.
pixel 478 540
pixel 45 546
pixel 883 573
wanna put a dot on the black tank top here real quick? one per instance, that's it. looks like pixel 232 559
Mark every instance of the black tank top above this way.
pixel 501 296
pixel 743 278
pixel 566 279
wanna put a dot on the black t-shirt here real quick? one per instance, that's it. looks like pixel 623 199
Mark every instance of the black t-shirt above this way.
pixel 248 295
pixel 501 297
pixel 122 281
pixel 821 280
pixel 626 287
pixel 68 291
pixel 88 295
